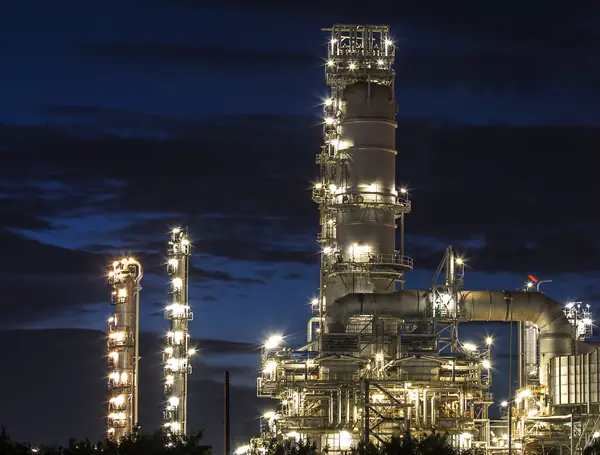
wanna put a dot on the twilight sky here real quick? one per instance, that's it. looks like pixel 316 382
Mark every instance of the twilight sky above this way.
pixel 122 119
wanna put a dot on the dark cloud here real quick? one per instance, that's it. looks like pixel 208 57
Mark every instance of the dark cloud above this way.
pixel 179 55
pixel 441 46
pixel 246 200
pixel 292 276
pixel 198 273
pixel 81 382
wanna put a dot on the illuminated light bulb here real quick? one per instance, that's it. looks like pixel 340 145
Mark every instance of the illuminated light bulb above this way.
pixel 529 284
pixel 174 401
pixel 330 63
pixel 269 415
pixel 177 283
pixel 114 355
pixel 469 347
pixel 169 350
pixel 525 393
pixel 270 366
pixel 273 341
pixel 489 341
pixel 118 400
pixel 111 274
pixel 486 364
pixel 380 62
pixel 173 262
pixel 352 66
pixel 326 250
pixel 318 186
pixel 459 261
pixel 328 102
pixel 124 377
pixel 115 264
pixel 122 293
pixel 379 357
pixel 314 301
pixel 504 404
pixel 185 242
pixel 191 352
pixel 388 42
pixel 332 188
pixel 403 190
pixel 329 221
pixel 596 434
pixel 176 230
pixel 329 121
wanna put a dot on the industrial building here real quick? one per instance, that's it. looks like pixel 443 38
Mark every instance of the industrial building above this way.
pixel 382 361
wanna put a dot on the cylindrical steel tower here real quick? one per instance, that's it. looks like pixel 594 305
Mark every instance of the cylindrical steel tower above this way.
pixel 123 348
pixel 177 351
pixel 357 194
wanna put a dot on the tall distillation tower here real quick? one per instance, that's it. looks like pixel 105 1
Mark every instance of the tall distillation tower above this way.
pixel 359 202
pixel 123 348
pixel 177 351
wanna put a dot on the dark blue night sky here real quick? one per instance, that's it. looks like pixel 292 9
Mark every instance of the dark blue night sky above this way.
pixel 122 119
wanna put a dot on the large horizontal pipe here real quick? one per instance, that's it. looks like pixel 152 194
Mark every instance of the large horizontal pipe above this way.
pixel 498 306
pixel 556 333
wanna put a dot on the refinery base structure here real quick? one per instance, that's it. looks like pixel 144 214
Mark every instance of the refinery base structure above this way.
pixel 123 343
pixel 381 361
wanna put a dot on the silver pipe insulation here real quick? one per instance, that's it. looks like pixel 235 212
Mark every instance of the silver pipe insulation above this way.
pixel 309 328
pixel 556 333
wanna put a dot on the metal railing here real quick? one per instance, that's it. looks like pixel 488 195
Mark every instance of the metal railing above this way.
pixel 395 259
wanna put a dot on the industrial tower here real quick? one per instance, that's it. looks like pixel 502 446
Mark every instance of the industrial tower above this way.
pixel 123 348
pixel 381 361
pixel 177 351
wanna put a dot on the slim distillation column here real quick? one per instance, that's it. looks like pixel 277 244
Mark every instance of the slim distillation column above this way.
pixel 177 350
pixel 357 194
pixel 123 348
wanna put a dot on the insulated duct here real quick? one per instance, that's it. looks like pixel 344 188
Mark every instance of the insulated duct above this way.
pixel 556 333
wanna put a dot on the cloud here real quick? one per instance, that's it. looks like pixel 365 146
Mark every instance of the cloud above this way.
pixel 198 273
pixel 292 276
pixel 72 367
pixel 180 55
pixel 246 200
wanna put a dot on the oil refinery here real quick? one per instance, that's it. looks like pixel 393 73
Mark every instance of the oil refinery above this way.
pixel 382 361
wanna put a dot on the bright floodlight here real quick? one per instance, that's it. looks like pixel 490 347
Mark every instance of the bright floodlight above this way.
pixel 486 364
pixel 529 284
pixel 273 341
pixel 596 434
pixel 469 347
pixel 504 404
pixel 459 261
pixel 489 341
